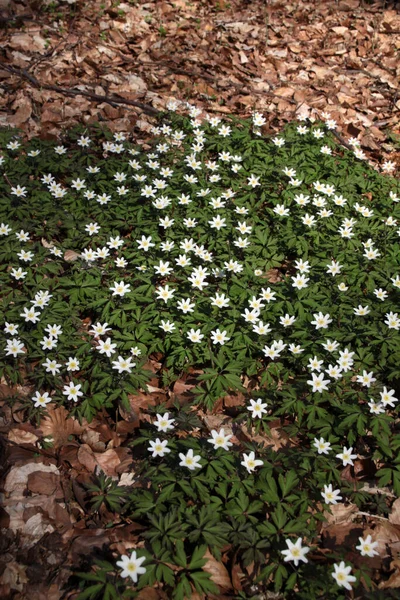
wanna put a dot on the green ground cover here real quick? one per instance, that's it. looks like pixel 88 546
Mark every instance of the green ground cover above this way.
pixel 270 265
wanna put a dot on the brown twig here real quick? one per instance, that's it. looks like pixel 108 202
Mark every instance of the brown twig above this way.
pixel 112 100
pixel 341 140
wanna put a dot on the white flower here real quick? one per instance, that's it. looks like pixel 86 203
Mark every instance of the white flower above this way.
pixel 366 378
pixel 308 220
pixel 48 343
pixel 52 366
pixel 145 243
pixel 387 397
pixel 25 256
pixel 115 242
pixel 295 349
pixel 371 254
pixel 14 347
pixel 253 181
pixel 219 439
pixel 319 384
pixel 195 335
pixel 346 456
pixel 342 573
pixel 11 328
pixel 123 364
pixel 53 330
pixel 131 566
pixel 392 320
pixel 381 294
pixel 250 462
pixel 100 329
pixel 163 268
pixel 186 306
pixel 334 268
pixel 376 408
pixel 314 364
pixel 250 316
pixel 22 236
pixel 164 423
pixel 164 293
pixel 219 337
pixel 334 371
pixel 300 282
pixel 367 546
pixel 287 320
pixel 289 172
pixel 217 222
pixel 89 255
pixel 257 407
pixel 330 345
pixel 41 399
pixel 302 266
pixel 120 262
pixel 5 229
pixel 388 166
pixel 18 191
pixel 166 222
pixel 326 150
pixel 159 448
pixel 281 210
pixel 322 446
pixel 302 129
pixel 330 495
pixel 342 287
pixel 167 326
pixel 120 289
pixel 361 311
pixel 258 119
pixel 106 347
pixel 72 391
pixel 190 461
pixel 321 321
pixel 295 552
pixel 30 315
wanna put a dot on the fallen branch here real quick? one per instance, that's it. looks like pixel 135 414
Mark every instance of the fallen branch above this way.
pixel 112 100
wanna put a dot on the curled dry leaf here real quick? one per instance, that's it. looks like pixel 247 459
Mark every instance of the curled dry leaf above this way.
pixel 20 436
pixel 394 516
pixel 394 579
pixel 59 426
pixel 218 572
pixel 107 461
pixel 71 255
pixel 340 513
pixel 276 438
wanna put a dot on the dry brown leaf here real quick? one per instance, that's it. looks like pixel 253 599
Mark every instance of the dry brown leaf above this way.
pixel 394 579
pixel 20 436
pixel 394 516
pixel 71 255
pixel 277 438
pixel 340 513
pixel 59 427
pixel 107 461
pixel 218 572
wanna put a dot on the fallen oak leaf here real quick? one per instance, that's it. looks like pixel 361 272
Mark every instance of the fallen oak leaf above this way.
pixel 218 572
pixel 71 255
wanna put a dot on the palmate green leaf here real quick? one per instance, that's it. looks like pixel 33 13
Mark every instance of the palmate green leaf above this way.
pixel 92 592
pixel 197 561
